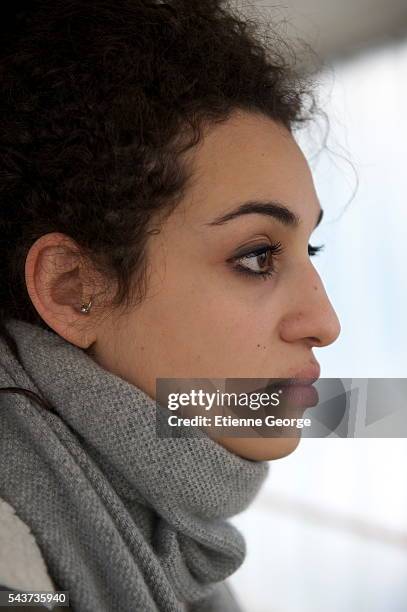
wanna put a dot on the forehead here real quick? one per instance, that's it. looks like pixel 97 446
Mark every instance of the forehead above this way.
pixel 249 157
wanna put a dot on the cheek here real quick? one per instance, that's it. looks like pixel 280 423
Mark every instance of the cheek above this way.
pixel 206 335
pixel 219 320
pixel 205 323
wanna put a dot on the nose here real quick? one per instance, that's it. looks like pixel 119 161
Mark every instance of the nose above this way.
pixel 310 315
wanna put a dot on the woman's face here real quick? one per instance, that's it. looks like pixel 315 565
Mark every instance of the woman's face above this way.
pixel 209 312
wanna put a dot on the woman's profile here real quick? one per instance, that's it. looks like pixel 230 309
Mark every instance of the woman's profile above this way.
pixel 156 214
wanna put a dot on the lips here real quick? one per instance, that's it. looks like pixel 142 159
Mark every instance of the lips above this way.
pixel 298 396
pixel 306 376
pixel 298 392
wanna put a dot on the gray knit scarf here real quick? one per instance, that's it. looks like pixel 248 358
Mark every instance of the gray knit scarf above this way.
pixel 126 521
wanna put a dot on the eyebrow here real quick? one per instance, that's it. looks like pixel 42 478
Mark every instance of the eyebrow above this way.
pixel 269 208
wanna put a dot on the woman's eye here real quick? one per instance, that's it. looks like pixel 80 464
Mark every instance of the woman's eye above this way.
pixel 259 262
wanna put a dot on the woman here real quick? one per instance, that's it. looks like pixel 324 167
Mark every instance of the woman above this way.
pixel 155 218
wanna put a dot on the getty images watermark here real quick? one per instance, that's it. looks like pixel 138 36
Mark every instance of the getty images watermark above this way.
pixel 210 401
pixel 247 407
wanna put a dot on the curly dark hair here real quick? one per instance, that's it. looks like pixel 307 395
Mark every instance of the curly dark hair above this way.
pixel 101 99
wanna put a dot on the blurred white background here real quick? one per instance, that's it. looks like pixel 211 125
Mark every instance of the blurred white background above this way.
pixel 328 532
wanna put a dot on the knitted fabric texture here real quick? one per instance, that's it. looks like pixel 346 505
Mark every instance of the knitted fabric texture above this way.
pixel 126 520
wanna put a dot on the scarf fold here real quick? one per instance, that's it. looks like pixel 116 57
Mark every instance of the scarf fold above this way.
pixel 125 520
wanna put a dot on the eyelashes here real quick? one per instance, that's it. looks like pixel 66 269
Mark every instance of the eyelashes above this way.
pixel 269 254
pixel 312 251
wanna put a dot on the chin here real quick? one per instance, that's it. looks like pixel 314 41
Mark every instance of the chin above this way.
pixel 260 449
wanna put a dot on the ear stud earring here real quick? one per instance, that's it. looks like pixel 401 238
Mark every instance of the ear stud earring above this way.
pixel 85 308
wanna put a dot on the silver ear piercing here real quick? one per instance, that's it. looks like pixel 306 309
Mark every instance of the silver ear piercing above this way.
pixel 85 308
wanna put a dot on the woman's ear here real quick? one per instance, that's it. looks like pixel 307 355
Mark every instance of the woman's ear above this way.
pixel 58 284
